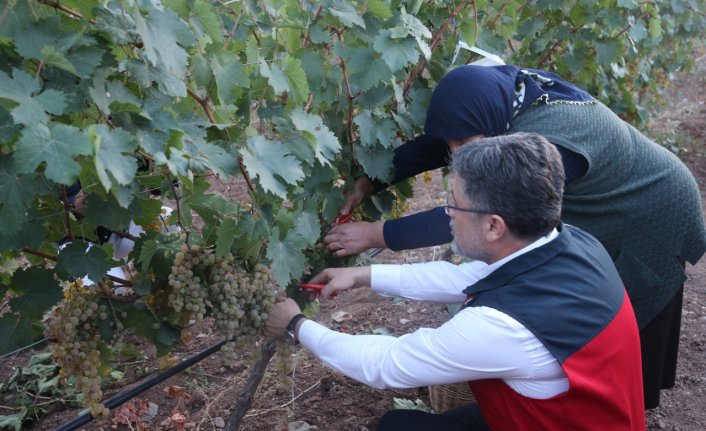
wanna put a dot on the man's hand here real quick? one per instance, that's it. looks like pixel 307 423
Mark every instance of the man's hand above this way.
pixel 353 197
pixel 353 238
pixel 339 279
pixel 281 313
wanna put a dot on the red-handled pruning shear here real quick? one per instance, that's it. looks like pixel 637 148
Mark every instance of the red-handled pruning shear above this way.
pixel 340 219
pixel 313 288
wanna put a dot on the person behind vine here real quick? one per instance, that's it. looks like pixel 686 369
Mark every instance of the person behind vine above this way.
pixel 577 367
pixel 636 197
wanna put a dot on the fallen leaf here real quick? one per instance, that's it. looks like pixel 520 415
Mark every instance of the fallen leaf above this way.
pixel 341 316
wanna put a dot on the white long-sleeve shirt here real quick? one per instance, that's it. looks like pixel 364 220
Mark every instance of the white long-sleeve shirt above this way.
pixel 476 343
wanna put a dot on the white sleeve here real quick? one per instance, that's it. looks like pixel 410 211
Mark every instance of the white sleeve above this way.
pixel 477 343
pixel 437 281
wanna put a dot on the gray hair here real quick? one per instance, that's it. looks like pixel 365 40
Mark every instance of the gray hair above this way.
pixel 519 177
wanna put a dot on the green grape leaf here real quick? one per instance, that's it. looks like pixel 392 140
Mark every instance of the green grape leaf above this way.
pixel 375 161
pixel 105 93
pixel 230 74
pixel 307 227
pixel 410 25
pixel 366 68
pixel 147 251
pixel 8 129
pixel 275 77
pixel 38 292
pixel 35 35
pixel 77 260
pixel 148 211
pixel 207 20
pixel 345 12
pixel 163 34
pixel 30 233
pixel 114 22
pixel 17 332
pixel 16 194
pixel 32 106
pixel 628 4
pixel 84 60
pixel 373 131
pixel 106 212
pixel 379 9
pixel 210 156
pixel 225 235
pixel 146 74
pixel 296 77
pixel 397 53
pixel 608 51
pixel 269 160
pixel 324 142
pixel 288 261
pixel 52 57
pixel 114 155
pixel 212 207
pixel 56 145
pixel 638 31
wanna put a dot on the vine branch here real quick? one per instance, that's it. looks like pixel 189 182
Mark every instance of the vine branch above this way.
pixel 64 9
pixel 203 101
pixel 349 120
pixel 435 40
pixel 47 256
pixel 245 399
pixel 317 14
pixel 178 208
pixel 67 213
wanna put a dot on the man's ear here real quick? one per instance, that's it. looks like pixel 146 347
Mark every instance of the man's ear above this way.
pixel 496 228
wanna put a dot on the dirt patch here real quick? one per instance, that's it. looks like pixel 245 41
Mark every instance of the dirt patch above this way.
pixel 315 396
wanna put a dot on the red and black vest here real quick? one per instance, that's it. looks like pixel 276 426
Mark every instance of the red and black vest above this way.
pixel 569 295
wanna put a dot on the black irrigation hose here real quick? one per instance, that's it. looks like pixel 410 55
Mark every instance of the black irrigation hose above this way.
pixel 150 381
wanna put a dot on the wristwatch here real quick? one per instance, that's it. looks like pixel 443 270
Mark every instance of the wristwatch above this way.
pixel 291 336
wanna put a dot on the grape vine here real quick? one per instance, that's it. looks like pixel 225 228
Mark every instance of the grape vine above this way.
pixel 150 103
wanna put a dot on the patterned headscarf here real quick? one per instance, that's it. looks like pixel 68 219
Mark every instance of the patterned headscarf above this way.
pixel 481 100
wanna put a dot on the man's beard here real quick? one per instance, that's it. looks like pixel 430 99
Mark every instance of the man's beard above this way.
pixel 475 254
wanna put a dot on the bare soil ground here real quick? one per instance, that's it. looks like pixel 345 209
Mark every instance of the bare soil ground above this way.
pixel 318 398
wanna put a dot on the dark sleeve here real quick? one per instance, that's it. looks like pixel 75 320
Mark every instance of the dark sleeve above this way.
pixel 421 154
pixel 422 229
pixel 575 165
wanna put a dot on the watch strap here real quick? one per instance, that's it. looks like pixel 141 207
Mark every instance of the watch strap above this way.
pixel 293 325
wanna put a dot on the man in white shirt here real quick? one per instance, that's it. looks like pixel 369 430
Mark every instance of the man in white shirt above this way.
pixel 543 304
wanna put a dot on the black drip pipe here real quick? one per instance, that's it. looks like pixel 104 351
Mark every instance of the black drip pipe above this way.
pixel 150 381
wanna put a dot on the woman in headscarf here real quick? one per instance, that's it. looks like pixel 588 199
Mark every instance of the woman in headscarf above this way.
pixel 635 196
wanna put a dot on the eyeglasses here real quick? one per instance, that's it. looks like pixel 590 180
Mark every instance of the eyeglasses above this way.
pixel 450 200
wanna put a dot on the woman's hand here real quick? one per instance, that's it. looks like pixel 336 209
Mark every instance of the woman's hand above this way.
pixel 353 197
pixel 340 279
pixel 352 238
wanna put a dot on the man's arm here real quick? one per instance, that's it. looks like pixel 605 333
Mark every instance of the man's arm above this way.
pixel 457 351
pixel 438 281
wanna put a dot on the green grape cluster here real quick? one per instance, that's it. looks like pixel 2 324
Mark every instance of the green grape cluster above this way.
pixel 74 331
pixel 238 300
pixel 187 295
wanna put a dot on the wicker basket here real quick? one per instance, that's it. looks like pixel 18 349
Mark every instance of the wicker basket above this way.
pixel 446 397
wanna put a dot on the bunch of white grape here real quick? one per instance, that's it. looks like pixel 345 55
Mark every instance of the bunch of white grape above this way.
pixel 238 300
pixel 73 329
pixel 187 294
